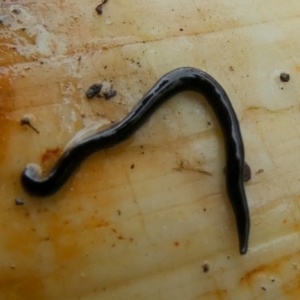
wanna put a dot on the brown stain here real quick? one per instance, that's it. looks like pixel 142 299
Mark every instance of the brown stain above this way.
pixel 66 246
pixel 102 223
pixel 272 268
pixel 296 226
pixel 63 224
pixel 22 283
pixel 298 68
pixel 292 287
pixel 217 293
pixel 254 272
pixel 89 222
pixel 176 244
pixel 6 127
pixel 21 240
pixel 20 276
pixel 7 94
pixel 50 156
pixel 7 97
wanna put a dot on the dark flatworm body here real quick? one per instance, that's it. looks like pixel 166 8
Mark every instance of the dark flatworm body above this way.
pixel 178 80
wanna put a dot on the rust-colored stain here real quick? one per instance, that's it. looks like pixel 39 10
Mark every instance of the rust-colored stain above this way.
pixel 176 244
pixel 102 223
pixel 217 293
pixel 6 127
pixel 27 283
pixel 273 267
pixel 298 68
pixel 50 155
pixel 297 226
pixel 6 91
pixel 292 286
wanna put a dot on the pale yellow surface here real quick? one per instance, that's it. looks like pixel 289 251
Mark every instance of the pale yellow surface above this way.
pixel 117 232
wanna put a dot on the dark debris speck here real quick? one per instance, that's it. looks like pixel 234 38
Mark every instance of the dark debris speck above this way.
pixel 284 77
pixel 109 94
pixel 26 121
pixel 205 267
pixel 93 90
pixel 259 171
pixel 99 8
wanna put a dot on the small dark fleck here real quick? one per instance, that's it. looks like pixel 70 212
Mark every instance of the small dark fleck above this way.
pixel 204 209
pixel 205 267
pixel 105 67
pixel 284 77
pixel 19 201
pixel 110 94
pixel 119 212
pixel 282 88
pixel 16 11
pixel 208 123
pixel 93 90
pixel 132 166
pixel 26 121
pixel 231 68
pixel 259 171
pixel 99 7
pixel 247 172
pixel 263 288
pixel 273 280
pixel 181 29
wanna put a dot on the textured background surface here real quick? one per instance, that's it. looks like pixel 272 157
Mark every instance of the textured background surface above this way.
pixel 115 231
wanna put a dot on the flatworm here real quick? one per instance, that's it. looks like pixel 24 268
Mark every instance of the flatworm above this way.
pixel 176 81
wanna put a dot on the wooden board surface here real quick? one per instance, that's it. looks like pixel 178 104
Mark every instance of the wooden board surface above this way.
pixel 149 218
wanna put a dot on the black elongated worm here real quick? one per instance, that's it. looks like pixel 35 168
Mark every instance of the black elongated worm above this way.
pixel 178 80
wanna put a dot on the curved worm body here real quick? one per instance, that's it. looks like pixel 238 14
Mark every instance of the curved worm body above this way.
pixel 176 81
